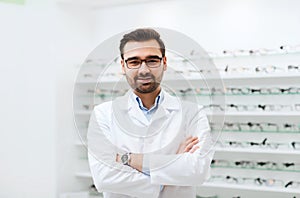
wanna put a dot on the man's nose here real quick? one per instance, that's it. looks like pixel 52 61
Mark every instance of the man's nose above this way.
pixel 144 68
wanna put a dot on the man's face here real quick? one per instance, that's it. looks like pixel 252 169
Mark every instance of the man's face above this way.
pixel 144 79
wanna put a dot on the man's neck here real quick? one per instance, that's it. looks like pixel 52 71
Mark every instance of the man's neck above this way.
pixel 148 99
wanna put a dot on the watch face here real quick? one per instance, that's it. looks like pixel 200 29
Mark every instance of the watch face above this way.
pixel 124 158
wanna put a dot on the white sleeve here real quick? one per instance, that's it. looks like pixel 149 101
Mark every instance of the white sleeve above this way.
pixel 108 175
pixel 188 169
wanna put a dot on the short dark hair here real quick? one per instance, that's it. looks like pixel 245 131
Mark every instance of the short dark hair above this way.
pixel 142 34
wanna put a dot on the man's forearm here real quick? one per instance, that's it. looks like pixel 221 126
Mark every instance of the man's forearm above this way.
pixel 136 161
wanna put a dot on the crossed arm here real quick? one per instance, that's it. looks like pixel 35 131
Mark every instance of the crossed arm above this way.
pixel 136 160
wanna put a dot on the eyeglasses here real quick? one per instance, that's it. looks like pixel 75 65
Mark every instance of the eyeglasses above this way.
pixel 254 181
pixel 283 49
pixel 272 90
pixel 264 165
pixel 151 61
pixel 259 107
pixel 256 127
pixel 263 144
pixel 268 69
pixel 242 180
pixel 102 93
pixel 293 68
pixel 292 184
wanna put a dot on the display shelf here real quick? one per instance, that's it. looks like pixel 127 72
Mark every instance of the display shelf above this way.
pixel 259 169
pixel 258 151
pixel 256 113
pixel 282 78
pixel 247 54
pixel 254 188
pixel 201 76
pixel 109 96
pixel 87 175
pixel 244 131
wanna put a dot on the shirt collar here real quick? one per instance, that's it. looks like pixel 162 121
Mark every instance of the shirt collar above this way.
pixel 167 101
pixel 158 100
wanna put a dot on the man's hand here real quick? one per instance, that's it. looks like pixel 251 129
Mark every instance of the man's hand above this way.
pixel 188 145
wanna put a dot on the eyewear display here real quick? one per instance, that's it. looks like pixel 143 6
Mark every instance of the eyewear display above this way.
pixel 239 91
pixel 263 91
pixel 258 181
pixel 243 180
pixel 264 165
pixel 259 107
pixel 283 49
pixel 263 144
pixel 254 126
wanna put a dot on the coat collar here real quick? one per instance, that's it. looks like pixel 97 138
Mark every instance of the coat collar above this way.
pixel 169 102
pixel 127 111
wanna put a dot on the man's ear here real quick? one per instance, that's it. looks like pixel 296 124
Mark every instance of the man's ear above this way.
pixel 123 66
pixel 165 63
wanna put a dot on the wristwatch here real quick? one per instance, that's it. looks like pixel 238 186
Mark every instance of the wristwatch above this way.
pixel 125 158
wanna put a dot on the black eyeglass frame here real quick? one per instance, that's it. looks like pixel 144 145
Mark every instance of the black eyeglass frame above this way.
pixel 143 60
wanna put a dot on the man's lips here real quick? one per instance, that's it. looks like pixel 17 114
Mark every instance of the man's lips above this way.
pixel 144 80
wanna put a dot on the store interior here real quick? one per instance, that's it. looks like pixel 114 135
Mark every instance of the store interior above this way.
pixel 45 98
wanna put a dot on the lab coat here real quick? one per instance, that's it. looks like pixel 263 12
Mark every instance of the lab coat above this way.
pixel 119 126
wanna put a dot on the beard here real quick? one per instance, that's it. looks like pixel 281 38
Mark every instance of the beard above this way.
pixel 150 84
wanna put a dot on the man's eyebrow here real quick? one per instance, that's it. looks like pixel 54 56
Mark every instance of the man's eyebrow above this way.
pixel 136 57
pixel 133 58
pixel 153 56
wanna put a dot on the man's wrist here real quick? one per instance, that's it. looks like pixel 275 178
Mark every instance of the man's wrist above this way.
pixel 126 158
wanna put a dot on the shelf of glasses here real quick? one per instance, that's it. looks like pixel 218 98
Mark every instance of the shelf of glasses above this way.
pixel 231 76
pixel 249 113
pixel 265 151
pixel 262 75
pixel 87 175
pixel 201 77
pixel 247 187
pixel 229 94
pixel 255 113
pixel 109 96
pixel 260 169
pixel 258 131
pixel 96 81
pixel 246 54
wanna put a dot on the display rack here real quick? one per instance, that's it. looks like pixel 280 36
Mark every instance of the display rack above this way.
pixel 234 76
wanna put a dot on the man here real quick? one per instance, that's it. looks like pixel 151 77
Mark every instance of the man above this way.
pixel 148 143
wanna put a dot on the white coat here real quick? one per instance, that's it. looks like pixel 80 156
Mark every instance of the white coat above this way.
pixel 120 126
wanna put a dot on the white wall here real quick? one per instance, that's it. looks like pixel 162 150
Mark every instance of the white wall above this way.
pixel 40 45
pixel 214 24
